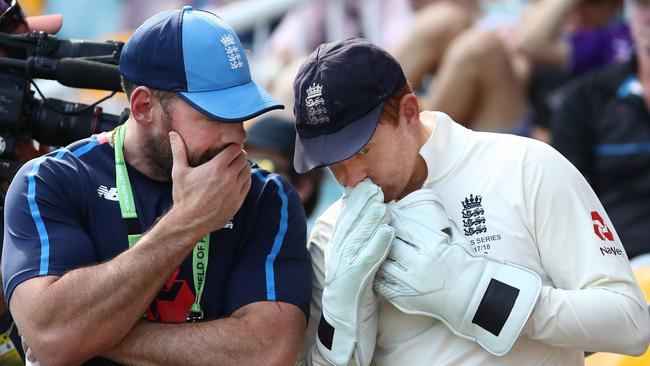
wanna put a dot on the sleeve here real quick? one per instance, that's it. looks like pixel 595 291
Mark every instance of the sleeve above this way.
pixel 571 133
pixel 273 264
pixel 43 235
pixel 594 302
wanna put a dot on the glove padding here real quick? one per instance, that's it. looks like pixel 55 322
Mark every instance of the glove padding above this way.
pixel 431 271
pixel 360 242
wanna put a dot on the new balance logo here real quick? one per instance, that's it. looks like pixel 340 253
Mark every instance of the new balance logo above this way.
pixel 107 193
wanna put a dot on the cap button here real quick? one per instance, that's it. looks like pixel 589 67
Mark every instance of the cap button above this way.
pixel 187 8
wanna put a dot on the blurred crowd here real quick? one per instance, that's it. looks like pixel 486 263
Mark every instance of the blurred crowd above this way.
pixel 572 73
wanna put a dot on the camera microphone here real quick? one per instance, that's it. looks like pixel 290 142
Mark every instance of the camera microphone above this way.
pixel 73 72
pixel 79 73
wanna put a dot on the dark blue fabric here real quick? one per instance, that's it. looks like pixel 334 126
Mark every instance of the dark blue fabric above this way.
pixel 153 56
pixel 83 227
pixel 606 135
pixel 339 94
pixel 196 54
pixel 353 76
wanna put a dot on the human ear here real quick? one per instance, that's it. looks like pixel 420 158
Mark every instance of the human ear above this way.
pixel 409 108
pixel 142 103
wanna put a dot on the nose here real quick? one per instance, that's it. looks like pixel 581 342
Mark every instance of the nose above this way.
pixel 349 172
pixel 236 134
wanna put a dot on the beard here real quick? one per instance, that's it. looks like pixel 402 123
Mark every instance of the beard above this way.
pixel 158 152
pixel 158 149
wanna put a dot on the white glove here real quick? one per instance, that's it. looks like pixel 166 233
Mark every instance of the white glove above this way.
pixel 431 271
pixel 360 242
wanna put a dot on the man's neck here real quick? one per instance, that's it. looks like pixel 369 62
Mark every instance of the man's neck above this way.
pixel 134 155
pixel 420 170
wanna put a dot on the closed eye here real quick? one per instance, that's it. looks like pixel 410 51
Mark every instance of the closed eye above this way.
pixel 364 150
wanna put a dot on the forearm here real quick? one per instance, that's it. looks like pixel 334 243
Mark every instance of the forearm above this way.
pixel 88 310
pixel 227 341
pixel 541 29
pixel 592 319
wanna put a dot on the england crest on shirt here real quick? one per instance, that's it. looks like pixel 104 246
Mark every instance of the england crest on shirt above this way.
pixel 473 215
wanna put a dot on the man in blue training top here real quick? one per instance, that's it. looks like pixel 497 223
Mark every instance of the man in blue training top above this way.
pixel 158 242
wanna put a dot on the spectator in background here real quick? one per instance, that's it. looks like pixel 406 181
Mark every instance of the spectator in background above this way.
pixel 603 127
pixel 577 35
pixel 303 29
pixel 270 144
pixel 437 23
pixel 484 77
pixel 565 40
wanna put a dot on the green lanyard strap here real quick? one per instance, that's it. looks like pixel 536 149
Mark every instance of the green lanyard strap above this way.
pixel 130 216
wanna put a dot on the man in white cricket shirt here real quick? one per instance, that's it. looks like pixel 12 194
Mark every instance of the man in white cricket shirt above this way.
pixel 449 246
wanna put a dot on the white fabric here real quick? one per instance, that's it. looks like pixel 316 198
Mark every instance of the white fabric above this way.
pixel 537 211
pixel 431 271
pixel 360 243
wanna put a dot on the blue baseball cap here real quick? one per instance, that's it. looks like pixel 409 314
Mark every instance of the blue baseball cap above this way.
pixel 197 55
pixel 339 94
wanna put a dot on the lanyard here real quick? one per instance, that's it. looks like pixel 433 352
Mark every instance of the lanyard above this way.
pixel 9 355
pixel 130 217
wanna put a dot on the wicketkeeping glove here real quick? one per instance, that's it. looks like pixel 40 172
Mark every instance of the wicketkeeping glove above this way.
pixel 359 244
pixel 431 271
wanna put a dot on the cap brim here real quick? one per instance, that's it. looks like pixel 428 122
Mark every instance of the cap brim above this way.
pixel 50 23
pixel 330 149
pixel 235 104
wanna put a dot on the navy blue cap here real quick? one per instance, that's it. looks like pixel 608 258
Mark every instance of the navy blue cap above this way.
pixel 339 94
pixel 273 133
pixel 196 54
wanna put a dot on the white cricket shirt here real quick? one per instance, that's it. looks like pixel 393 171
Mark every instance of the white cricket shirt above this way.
pixel 518 199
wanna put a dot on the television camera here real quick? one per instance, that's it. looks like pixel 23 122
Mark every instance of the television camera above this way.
pixel 55 122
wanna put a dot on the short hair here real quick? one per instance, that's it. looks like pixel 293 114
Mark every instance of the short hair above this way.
pixel 165 97
pixel 390 112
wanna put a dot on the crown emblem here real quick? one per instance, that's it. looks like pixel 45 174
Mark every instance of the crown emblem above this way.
pixel 315 90
pixel 227 40
pixel 472 201
pixel 235 59
pixel 316 106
